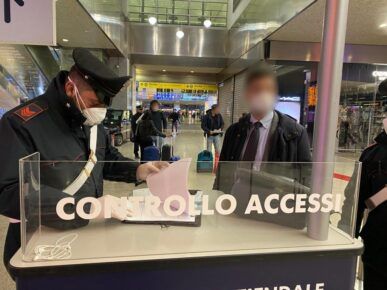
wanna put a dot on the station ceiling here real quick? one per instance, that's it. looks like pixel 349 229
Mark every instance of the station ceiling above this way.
pixel 367 24
pixel 80 30
pixel 181 12
pixel 210 51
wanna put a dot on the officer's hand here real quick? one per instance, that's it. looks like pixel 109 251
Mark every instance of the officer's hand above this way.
pixel 144 170
pixel 119 208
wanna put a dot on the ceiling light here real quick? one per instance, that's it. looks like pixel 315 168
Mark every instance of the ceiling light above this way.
pixel 164 70
pixel 179 34
pixel 97 17
pixel 207 23
pixel 152 20
pixel 65 40
pixel 384 25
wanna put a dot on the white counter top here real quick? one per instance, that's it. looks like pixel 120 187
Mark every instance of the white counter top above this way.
pixel 218 236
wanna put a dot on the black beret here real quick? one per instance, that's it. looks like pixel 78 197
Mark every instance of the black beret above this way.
pixel 383 88
pixel 98 75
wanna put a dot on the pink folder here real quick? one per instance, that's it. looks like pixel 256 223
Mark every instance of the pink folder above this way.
pixel 172 180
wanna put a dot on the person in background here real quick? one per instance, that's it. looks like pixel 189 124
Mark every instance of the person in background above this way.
pixel 373 200
pixel 212 125
pixel 243 116
pixel 265 134
pixel 175 118
pixel 147 131
pixel 159 121
pixel 134 120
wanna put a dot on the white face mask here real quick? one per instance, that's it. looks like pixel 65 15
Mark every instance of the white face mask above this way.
pixel 94 116
pixel 262 103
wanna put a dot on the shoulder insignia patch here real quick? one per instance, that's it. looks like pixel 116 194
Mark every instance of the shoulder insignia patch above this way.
pixel 28 112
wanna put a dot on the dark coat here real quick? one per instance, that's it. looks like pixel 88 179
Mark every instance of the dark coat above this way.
pixel 133 121
pixel 51 124
pixel 373 179
pixel 159 120
pixel 288 156
pixel 210 123
pixel 146 128
pixel 290 142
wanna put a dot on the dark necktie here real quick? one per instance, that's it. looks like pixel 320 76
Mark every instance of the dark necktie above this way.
pixel 252 145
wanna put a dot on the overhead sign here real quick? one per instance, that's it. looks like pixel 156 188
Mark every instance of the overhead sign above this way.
pixel 381 75
pixel 177 86
pixel 28 22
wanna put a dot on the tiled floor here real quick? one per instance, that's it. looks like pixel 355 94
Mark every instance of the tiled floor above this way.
pixel 187 144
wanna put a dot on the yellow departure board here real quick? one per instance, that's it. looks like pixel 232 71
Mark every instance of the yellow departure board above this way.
pixel 177 86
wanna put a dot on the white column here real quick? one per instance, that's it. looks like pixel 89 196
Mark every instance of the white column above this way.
pixel 327 111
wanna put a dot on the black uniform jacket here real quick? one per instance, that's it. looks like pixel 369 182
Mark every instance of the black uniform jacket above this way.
pixel 51 124
pixel 373 179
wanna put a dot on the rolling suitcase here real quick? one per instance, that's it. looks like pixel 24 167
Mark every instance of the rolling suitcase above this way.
pixel 166 152
pixel 175 158
pixel 151 153
pixel 205 162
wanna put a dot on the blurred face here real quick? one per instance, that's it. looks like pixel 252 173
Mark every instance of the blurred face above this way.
pixel 216 110
pixel 155 107
pixel 261 95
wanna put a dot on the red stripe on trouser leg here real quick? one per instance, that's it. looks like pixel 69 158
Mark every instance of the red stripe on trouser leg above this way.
pixel 341 176
pixel 216 162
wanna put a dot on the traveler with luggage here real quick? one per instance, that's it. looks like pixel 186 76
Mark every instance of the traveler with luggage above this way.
pixel 146 133
pixel 175 118
pixel 133 121
pixel 212 125
pixel 159 121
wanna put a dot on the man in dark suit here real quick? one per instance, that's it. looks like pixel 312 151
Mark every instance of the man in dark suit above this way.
pixel 270 145
pixel 265 134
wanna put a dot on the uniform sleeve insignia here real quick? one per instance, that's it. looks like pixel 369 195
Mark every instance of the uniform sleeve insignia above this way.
pixel 28 112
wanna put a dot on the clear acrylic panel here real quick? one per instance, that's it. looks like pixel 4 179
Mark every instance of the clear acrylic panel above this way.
pixel 189 208
pixel 30 214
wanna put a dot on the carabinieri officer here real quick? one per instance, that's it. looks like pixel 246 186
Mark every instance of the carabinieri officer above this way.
pixel 64 124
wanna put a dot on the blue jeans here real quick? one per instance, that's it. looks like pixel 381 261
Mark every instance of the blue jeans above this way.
pixel 216 140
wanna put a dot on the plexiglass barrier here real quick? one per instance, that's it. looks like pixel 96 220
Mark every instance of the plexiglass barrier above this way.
pixel 187 208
